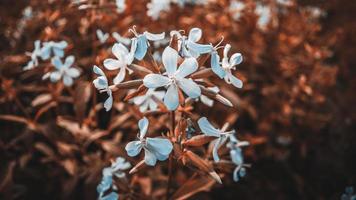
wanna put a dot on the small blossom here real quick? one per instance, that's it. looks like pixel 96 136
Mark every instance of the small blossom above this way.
pixel 264 12
pixel 236 7
pixel 34 56
pixel 349 194
pixel 174 78
pixel 120 5
pixel 124 58
pixel 155 7
pixel 64 71
pixel 236 156
pixel 149 100
pixel 102 36
pixel 140 42
pixel 224 70
pixel 101 83
pixel 155 148
pixel 209 130
pixel 120 39
pixel 53 48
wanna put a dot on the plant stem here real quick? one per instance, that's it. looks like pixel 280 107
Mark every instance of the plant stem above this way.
pixel 170 162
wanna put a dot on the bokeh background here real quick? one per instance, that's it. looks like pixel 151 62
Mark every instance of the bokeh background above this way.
pixel 297 107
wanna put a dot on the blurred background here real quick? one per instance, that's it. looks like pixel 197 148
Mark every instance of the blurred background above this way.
pixel 297 107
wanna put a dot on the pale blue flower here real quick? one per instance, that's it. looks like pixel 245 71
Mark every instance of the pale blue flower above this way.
pixel 236 156
pixel 209 130
pixel 34 56
pixel 349 194
pixel 140 42
pixel 155 7
pixel 102 36
pixel 120 6
pixel 120 39
pixel 63 71
pixel 174 78
pixel 155 148
pixel 188 46
pixel 264 15
pixel 149 100
pixel 123 59
pixel 236 8
pixel 102 84
pixel 223 70
pixel 53 49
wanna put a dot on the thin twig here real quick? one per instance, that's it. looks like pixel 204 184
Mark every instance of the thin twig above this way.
pixel 170 162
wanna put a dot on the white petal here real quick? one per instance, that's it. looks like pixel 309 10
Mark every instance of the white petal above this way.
pixel 61 45
pixel 155 80
pixel 226 50
pixel 139 99
pixel 58 52
pixel 100 83
pixel 161 147
pixel 199 48
pixel 57 63
pixel 195 34
pixel 108 102
pixel 120 76
pixel 236 156
pixel 143 126
pixel 215 150
pixel 120 39
pixel 215 66
pixel 73 72
pixel 141 48
pixel 171 99
pixel 152 104
pixel 55 76
pixel 67 80
pixel 150 158
pixel 207 128
pixel 119 50
pixel 235 59
pixel 188 66
pixel 153 36
pixel 143 107
pixel 170 59
pixel 98 71
pixel 189 87
pixel 112 64
pixel 133 148
pixel 207 101
pixel 235 81
pixel 45 52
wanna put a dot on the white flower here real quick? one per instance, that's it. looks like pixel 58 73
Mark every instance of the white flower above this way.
pixel 236 8
pixel 155 7
pixel 53 48
pixel 209 130
pixel 140 42
pixel 101 83
pixel 64 70
pixel 264 13
pixel 174 78
pixel 102 36
pixel 124 58
pixel 236 156
pixel 121 6
pixel 125 41
pixel 224 70
pixel 155 148
pixel 148 100
pixel 34 56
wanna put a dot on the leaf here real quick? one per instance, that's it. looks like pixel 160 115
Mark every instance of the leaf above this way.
pixel 41 99
pixel 192 187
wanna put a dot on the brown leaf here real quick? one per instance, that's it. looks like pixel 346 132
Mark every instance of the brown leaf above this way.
pixel 198 140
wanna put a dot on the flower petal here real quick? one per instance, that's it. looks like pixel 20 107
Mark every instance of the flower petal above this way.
pixel 150 158
pixel 235 81
pixel 155 80
pixel 58 52
pixel 60 45
pixel 195 34
pixel 110 196
pixel 45 51
pixel 119 50
pixel 143 126
pixel 133 148
pixel 152 104
pixel 226 50
pixel 100 83
pixel 160 146
pixel 188 66
pixel 235 59
pixel 120 39
pixel 208 129
pixel 67 80
pixel 55 76
pixel 141 47
pixel 108 102
pixel 170 59
pixel 73 72
pixel 98 71
pixel 120 76
pixel 189 87
pixel 236 156
pixel 153 36
pixel 199 48
pixel 217 144
pixel 112 64
pixel 171 99
pixel 207 101
pixel 57 63
pixel 215 66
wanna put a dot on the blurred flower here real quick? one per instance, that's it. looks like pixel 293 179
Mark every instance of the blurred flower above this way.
pixel 64 70
pixel 57 48
pixel 101 83
pixel 236 156
pixel 174 78
pixel 206 100
pixel 140 42
pixel 209 130
pixel 224 70
pixel 155 148
pixel 121 6
pixel 102 36
pixel 264 13
pixel 34 56
pixel 125 41
pixel 116 169
pixel 349 194
pixel 148 100
pixel 236 8
pixel 124 58
pixel 155 7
